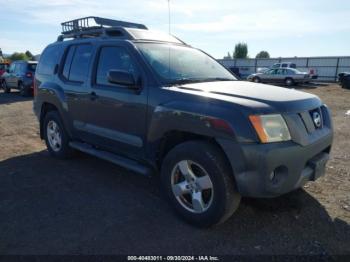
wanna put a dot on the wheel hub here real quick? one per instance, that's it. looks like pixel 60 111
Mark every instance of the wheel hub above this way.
pixel 192 186
pixel 54 135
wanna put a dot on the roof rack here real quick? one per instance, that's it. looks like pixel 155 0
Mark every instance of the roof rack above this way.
pixel 93 22
pixel 93 26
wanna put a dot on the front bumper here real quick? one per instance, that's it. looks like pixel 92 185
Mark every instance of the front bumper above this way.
pixel 273 169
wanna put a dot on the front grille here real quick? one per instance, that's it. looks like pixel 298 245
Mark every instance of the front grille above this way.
pixel 312 119
pixel 316 116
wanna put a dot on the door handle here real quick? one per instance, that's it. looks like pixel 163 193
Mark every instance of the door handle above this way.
pixel 93 96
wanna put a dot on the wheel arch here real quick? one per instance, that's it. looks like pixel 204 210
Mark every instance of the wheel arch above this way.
pixel 48 107
pixel 173 138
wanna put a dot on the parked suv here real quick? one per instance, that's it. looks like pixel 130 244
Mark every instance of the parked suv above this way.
pixel 152 104
pixel 3 68
pixel 20 76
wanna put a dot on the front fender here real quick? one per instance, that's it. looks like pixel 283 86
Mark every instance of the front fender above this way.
pixel 197 118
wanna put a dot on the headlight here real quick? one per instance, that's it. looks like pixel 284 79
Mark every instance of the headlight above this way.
pixel 270 128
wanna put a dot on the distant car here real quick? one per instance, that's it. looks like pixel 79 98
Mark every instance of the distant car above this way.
pixel 20 76
pixel 344 80
pixel 312 71
pixel 287 76
pixel 284 65
pixel 3 68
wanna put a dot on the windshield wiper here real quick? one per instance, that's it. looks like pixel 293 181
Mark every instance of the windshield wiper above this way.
pixel 216 79
pixel 182 81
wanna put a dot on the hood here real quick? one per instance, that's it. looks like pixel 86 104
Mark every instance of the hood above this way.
pixel 256 96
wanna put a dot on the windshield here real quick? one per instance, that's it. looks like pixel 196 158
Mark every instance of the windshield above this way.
pixel 180 64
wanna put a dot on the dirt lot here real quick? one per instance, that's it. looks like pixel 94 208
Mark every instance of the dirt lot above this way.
pixel 88 206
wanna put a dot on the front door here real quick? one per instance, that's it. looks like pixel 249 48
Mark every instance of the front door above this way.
pixel 116 119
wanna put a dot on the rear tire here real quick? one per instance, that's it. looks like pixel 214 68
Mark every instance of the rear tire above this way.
pixel 7 89
pixel 209 197
pixel 56 137
pixel 23 90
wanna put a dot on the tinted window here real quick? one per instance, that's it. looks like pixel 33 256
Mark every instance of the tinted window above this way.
pixel 48 60
pixel 12 68
pixel 271 72
pixel 68 62
pixel 80 63
pixel 284 65
pixel 115 58
pixel 21 67
pixel 32 67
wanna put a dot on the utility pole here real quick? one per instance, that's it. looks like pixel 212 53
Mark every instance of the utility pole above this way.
pixel 169 21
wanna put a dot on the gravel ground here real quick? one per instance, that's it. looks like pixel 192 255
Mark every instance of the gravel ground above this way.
pixel 89 206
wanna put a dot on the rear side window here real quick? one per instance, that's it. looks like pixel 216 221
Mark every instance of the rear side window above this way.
pixel 68 62
pixel 21 68
pixel 12 67
pixel 76 67
pixel 31 67
pixel 113 58
pixel 49 59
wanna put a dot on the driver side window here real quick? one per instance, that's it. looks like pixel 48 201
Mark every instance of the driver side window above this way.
pixel 113 58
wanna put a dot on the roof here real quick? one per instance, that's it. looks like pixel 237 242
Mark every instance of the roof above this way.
pixel 92 27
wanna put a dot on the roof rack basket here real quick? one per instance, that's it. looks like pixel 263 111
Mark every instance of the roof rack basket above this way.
pixel 93 22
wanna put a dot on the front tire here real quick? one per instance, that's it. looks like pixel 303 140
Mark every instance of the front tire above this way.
pixel 56 137
pixel 289 81
pixel 199 183
pixel 23 90
pixel 256 80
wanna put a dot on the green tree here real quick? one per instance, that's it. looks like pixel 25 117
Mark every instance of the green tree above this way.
pixel 29 55
pixel 241 51
pixel 263 54
pixel 18 56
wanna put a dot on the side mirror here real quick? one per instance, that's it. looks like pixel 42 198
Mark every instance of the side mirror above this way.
pixel 122 78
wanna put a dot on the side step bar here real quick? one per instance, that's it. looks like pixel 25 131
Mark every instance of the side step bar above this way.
pixel 116 159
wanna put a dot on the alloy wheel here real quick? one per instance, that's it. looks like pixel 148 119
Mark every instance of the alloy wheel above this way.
pixel 192 186
pixel 54 135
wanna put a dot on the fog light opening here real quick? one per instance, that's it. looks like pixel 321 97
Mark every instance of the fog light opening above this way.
pixel 278 174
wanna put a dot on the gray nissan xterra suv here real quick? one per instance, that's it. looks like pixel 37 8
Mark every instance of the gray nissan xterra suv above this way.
pixel 152 104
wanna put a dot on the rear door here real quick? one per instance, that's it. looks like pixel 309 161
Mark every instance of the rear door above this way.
pixel 74 76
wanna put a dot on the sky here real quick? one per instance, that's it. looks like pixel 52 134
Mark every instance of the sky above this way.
pixel 283 28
